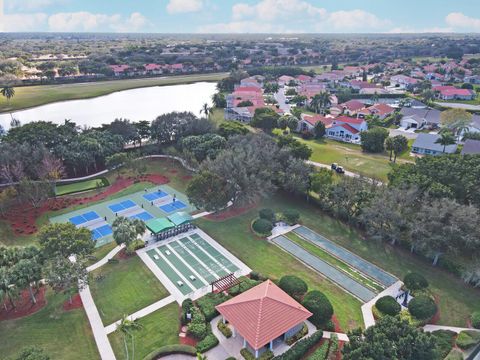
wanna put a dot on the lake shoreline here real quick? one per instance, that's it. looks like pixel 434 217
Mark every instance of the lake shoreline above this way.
pixel 118 86
pixel 138 103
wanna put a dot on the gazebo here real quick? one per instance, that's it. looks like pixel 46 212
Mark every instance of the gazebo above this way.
pixel 159 225
pixel 163 228
pixel 180 218
pixel 263 315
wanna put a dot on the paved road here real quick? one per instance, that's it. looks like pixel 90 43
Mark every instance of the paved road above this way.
pixel 280 97
pixel 347 173
pixel 459 106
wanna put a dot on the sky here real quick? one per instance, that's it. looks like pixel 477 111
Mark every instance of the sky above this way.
pixel 241 16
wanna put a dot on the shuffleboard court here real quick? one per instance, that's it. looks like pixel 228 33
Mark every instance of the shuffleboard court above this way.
pixel 206 259
pixel 343 254
pixel 326 269
pixel 180 267
pixel 214 252
pixel 199 268
pixel 169 272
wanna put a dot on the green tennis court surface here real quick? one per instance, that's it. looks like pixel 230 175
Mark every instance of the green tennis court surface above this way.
pixel 191 263
pixel 135 205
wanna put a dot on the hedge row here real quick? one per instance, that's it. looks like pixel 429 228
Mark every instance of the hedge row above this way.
pixel 171 349
pixel 224 329
pixel 247 355
pixel 467 339
pixel 208 302
pixel 301 347
pixel 297 336
pixel 321 353
pixel 209 342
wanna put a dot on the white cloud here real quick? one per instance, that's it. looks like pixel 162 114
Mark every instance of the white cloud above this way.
pixel 410 30
pixel 22 22
pixel 461 21
pixel 86 21
pixel 182 6
pixel 295 16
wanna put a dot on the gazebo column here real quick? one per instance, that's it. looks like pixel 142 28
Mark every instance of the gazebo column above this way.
pixel 271 345
pixel 256 354
pixel 223 320
pixel 234 334
pixel 244 343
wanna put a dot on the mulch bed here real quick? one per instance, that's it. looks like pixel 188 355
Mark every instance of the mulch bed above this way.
pixel 23 217
pixel 75 304
pixel 230 212
pixel 335 321
pixel 436 317
pixel 23 305
pixel 188 340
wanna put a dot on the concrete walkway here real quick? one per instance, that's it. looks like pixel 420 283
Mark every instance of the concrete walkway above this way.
pixel 143 312
pixel 101 338
pixel 347 173
pixel 431 328
pixel 367 313
pixel 103 261
pixel 340 336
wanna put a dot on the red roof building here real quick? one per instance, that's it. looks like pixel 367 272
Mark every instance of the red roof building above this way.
pixel 262 314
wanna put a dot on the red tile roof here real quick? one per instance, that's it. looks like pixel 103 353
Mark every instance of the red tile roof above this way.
pixel 349 128
pixel 152 67
pixel 353 105
pixel 314 119
pixel 349 120
pixel 263 313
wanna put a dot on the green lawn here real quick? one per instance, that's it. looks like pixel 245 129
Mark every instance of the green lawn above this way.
pixel 160 328
pixel 80 186
pixel 457 301
pixel 217 116
pixel 29 96
pixel 64 335
pixel 127 286
pixel 262 256
pixel 351 157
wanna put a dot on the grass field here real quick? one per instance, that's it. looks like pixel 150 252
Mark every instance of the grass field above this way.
pixel 457 301
pixel 126 287
pixel 30 96
pixel 351 157
pixel 160 328
pixel 64 335
pixel 260 255
pixel 80 186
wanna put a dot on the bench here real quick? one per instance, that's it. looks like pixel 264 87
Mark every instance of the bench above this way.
pixel 180 283
pixel 156 257
pixel 167 252
pixel 192 278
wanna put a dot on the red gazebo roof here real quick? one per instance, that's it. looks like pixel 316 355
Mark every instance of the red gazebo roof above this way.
pixel 263 313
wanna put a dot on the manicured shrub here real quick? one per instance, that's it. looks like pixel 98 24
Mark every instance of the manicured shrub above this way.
pixel 171 349
pixel 467 339
pixel 247 355
pixel 267 214
pixel 300 334
pixel 291 216
pixel 422 307
pixel 301 347
pixel 388 305
pixel 476 319
pixel 224 329
pixel 208 302
pixel 293 286
pixel 455 354
pixel 244 285
pixel 198 330
pixel 321 353
pixel 317 303
pixel 415 281
pixel 209 342
pixel 254 275
pixel 445 339
pixel 262 226
pixel 332 351
pixel 187 304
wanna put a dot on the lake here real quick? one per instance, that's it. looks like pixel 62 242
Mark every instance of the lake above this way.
pixel 135 104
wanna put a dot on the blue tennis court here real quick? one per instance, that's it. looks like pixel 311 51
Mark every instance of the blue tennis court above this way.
pixel 155 195
pixel 101 231
pixel 173 206
pixel 121 206
pixel 142 216
pixel 80 219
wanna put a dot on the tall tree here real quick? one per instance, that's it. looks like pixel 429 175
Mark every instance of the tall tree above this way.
pixel 205 110
pixel 446 138
pixel 400 144
pixel 65 276
pixel 389 146
pixel 208 191
pixel 26 273
pixel 65 240
pixel 8 92
pixel 128 328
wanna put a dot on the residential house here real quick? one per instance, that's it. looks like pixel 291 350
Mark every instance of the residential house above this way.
pixel 119 70
pixel 373 91
pixel 307 122
pixel 471 147
pixel 403 81
pixel 154 69
pixel 425 144
pixel 453 93
pixel 419 117
pixel 351 107
pixel 346 128
pixel 284 80
pixel 379 110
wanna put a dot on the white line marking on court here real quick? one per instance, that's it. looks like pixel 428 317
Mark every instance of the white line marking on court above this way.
pixel 209 269
pixel 197 275
pixel 184 279
pixel 210 256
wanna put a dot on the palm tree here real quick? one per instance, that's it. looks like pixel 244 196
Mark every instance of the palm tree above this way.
pixel 205 109
pixel 389 146
pixel 446 138
pixel 8 92
pixel 127 328
pixel 320 101
pixel 201 356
